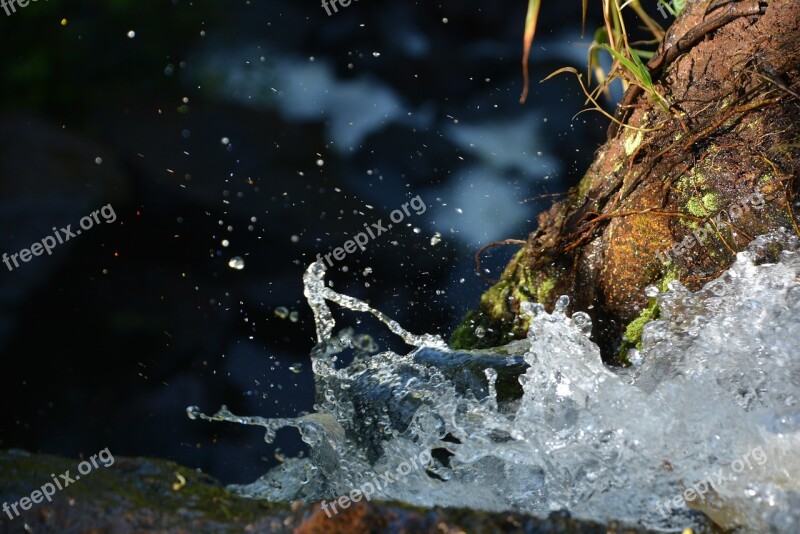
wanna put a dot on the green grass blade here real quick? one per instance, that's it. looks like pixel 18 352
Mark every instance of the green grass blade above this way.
pixel 530 30
pixel 635 69
pixel 668 7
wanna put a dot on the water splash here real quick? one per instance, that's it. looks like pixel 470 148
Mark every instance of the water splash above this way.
pixel 542 424
pixel 317 293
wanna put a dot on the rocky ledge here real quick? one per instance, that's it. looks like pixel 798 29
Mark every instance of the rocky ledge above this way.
pixel 152 495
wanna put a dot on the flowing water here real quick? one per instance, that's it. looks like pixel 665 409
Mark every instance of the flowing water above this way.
pixel 706 421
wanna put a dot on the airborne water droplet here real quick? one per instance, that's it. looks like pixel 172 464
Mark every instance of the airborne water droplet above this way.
pixel 583 322
pixel 236 263
pixel 561 304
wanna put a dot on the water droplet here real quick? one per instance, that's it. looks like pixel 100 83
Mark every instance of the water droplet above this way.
pixel 294 316
pixel 225 141
pixel 583 322
pixel 236 263
pixel 296 368
pixel 131 34
pixel 281 312
pixel 561 304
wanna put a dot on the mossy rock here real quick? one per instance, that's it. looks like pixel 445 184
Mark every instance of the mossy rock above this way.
pixel 151 495
pixel 671 194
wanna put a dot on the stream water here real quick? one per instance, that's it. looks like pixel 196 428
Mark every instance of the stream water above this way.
pixel 706 423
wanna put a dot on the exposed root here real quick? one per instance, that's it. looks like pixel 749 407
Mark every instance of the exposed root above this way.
pixel 545 195
pixel 788 194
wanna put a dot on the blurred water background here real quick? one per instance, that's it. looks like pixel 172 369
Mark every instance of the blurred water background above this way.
pixel 270 132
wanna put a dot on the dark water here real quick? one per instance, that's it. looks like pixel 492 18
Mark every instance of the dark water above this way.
pixel 279 131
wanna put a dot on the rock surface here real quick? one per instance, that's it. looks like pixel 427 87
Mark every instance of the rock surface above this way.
pixel 151 495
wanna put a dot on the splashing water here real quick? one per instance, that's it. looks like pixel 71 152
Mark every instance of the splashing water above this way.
pixel 712 403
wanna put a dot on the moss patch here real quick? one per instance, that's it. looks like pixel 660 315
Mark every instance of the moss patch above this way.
pixel 138 483
pixel 497 320
pixel 632 142
pixel 633 332
pixel 703 207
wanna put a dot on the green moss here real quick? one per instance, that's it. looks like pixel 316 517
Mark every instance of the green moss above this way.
pixel 707 205
pixel 545 289
pixel 584 185
pixel 139 483
pixel 670 275
pixel 497 320
pixel 695 207
pixel 697 178
pixel 463 336
pixel 633 332
pixel 632 142
pixel 711 202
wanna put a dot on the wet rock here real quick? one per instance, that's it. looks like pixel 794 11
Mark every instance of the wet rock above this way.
pixel 140 494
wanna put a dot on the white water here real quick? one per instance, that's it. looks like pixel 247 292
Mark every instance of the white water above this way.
pixel 715 387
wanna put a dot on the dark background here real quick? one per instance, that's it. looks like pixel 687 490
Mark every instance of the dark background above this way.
pixel 204 121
